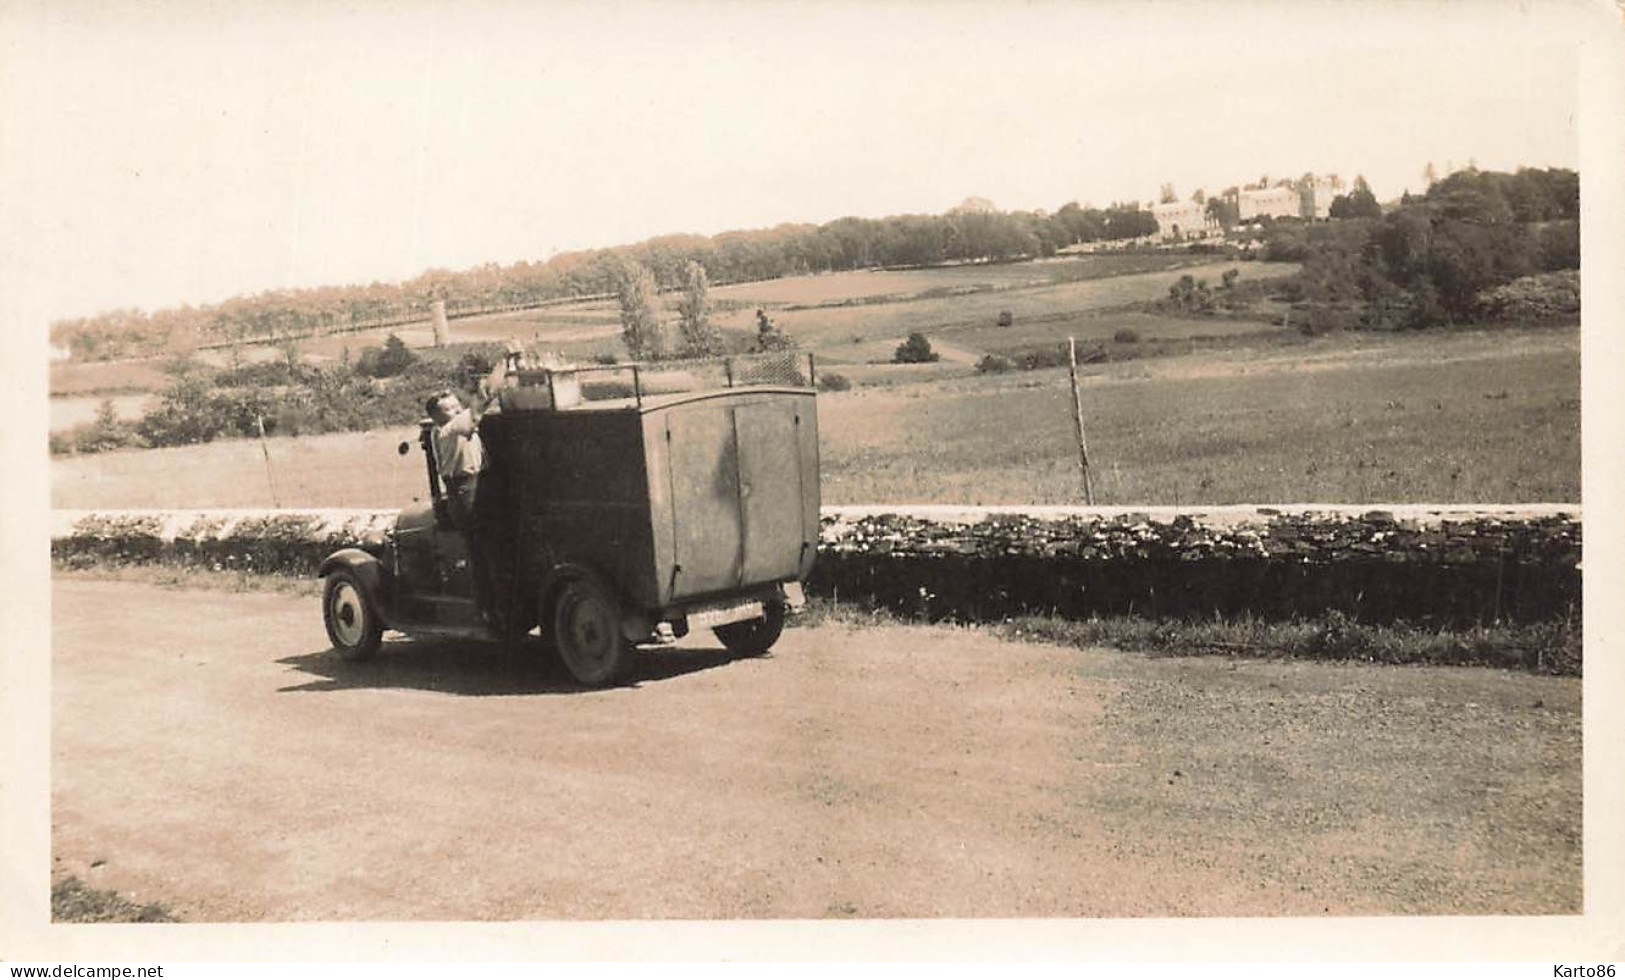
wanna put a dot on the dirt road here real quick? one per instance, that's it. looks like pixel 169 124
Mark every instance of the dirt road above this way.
pixel 209 753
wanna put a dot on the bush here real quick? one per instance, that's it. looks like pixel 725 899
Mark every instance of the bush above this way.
pixel 1006 318
pixel 106 433
pixel 831 381
pixel 265 374
pixel 1550 294
pixel 1190 295
pixel 1043 357
pixel 994 364
pixel 1126 336
pixel 185 415
pixel 915 350
pixel 386 362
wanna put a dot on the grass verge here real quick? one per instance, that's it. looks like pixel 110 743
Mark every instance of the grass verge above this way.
pixel 74 901
pixel 187 577
pixel 1543 648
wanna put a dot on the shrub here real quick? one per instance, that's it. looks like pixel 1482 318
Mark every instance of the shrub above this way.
pixel 106 432
pixel 386 362
pixel 994 364
pixel 185 414
pixel 831 381
pixel 605 358
pixel 1534 297
pixel 1190 295
pixel 262 374
pixel 1127 336
pixel 1043 357
pixel 915 350
pixel 1006 318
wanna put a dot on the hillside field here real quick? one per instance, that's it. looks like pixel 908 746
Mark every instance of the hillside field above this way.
pixel 1439 417
pixel 1063 291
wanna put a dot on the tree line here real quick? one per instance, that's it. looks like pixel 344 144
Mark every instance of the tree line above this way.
pixel 971 232
pixel 1429 260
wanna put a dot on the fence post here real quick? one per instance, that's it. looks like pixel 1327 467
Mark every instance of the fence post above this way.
pixel 1077 420
pixel 442 330
pixel 265 450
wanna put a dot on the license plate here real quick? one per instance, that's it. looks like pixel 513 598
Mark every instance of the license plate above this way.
pixel 707 617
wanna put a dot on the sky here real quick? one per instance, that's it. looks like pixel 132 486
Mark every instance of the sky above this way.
pixel 160 153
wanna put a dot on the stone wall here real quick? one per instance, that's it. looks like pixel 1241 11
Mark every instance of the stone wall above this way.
pixel 1443 566
pixel 1436 565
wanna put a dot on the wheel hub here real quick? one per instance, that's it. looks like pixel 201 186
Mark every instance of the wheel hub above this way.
pixel 347 617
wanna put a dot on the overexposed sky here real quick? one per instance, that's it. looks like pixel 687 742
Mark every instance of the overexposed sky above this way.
pixel 163 153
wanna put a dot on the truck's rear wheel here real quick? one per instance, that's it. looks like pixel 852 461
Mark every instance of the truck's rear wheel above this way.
pixel 352 624
pixel 587 633
pixel 753 637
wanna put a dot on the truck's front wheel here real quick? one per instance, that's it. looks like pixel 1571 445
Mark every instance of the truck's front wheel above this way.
pixel 352 624
pixel 587 632
pixel 754 637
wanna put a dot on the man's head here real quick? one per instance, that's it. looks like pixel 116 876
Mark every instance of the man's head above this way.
pixel 442 405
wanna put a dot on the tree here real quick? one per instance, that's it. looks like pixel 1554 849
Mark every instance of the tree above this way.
pixel 1430 174
pixel 1129 221
pixel 1167 195
pixel 1199 196
pixel 973 205
pixel 915 350
pixel 641 330
pixel 1225 211
pixel 1081 224
pixel 1191 295
pixel 386 362
pixel 698 337
pixel 1357 203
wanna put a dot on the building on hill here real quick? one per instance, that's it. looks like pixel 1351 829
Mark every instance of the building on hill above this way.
pixel 1316 194
pixel 1271 202
pixel 1184 220
pixel 1309 197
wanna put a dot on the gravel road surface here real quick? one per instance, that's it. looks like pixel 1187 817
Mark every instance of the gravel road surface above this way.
pixel 211 754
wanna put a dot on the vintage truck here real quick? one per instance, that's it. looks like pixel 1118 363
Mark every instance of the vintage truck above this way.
pixel 629 505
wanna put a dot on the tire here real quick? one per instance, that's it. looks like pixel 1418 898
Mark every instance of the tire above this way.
pixel 587 633
pixel 352 623
pixel 753 637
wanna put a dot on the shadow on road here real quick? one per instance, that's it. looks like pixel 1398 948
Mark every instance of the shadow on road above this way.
pixel 481 669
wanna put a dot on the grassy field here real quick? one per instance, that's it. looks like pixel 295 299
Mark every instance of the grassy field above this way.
pixel 941 316
pixel 843 286
pixel 1438 417
pixel 1064 288
pixel 1444 418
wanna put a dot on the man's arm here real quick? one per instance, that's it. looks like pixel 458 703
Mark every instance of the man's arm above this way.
pixel 492 383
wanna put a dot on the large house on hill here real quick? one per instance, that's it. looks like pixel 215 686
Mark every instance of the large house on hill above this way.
pixel 1316 195
pixel 1184 220
pixel 1309 198
pixel 1271 202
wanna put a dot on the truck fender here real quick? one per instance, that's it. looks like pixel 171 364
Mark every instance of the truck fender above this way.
pixel 369 572
pixel 636 625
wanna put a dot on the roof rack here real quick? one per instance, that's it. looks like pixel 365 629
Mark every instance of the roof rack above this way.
pixel 563 387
